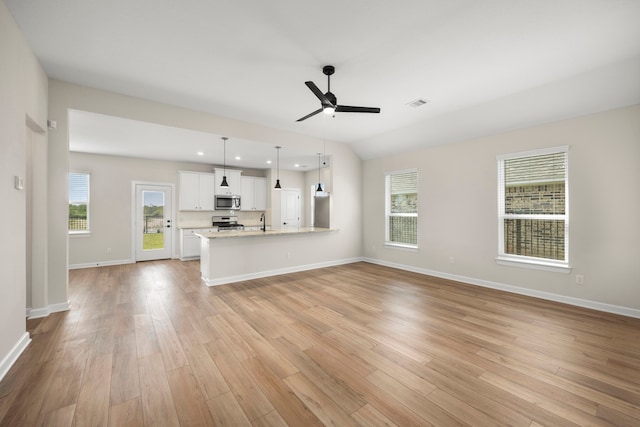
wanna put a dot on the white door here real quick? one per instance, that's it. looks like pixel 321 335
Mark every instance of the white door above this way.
pixel 290 208
pixel 153 226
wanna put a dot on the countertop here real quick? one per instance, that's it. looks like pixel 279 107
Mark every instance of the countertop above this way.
pixel 234 234
pixel 201 227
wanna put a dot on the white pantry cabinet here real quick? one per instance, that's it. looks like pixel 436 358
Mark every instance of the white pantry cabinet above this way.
pixel 196 191
pixel 253 193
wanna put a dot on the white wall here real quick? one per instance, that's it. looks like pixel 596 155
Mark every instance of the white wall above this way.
pixel 23 105
pixel 458 209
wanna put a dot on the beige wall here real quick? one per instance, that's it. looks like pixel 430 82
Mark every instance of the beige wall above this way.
pixel 458 209
pixel 23 108
pixel 111 179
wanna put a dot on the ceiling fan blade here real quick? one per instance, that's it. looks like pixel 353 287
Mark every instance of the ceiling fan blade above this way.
pixel 309 115
pixel 318 93
pixel 349 109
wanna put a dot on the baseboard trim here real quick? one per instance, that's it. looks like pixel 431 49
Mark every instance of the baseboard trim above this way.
pixel 101 264
pixel 277 272
pixel 35 313
pixel 594 305
pixel 13 355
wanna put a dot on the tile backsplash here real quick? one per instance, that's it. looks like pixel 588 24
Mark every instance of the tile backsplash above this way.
pixel 197 219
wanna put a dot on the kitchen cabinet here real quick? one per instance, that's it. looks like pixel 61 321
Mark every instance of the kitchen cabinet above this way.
pixel 196 191
pixel 190 243
pixel 233 179
pixel 254 193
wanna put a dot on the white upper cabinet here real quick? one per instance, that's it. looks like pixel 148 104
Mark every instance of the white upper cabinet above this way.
pixel 196 191
pixel 254 193
pixel 233 179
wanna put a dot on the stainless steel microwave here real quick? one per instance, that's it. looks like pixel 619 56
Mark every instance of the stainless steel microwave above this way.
pixel 227 203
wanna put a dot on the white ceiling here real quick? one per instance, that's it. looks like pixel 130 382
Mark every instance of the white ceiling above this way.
pixel 484 66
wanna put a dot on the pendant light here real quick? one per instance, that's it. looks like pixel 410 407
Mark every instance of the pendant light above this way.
pixel 319 189
pixel 224 159
pixel 277 187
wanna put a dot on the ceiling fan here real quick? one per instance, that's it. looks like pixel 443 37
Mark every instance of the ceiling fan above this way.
pixel 329 101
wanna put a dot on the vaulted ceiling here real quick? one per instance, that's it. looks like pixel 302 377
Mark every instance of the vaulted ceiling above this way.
pixel 482 66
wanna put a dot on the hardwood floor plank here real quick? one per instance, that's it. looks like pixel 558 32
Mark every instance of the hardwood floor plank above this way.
pixel 414 399
pixel 158 407
pixel 63 417
pixel 359 344
pixel 272 419
pixel 291 408
pixel 209 378
pixel 170 347
pixel 341 394
pixel 92 407
pixel 188 398
pixel 318 401
pixel 125 380
pixel 126 414
pixel 244 387
pixel 226 411
pixel 371 417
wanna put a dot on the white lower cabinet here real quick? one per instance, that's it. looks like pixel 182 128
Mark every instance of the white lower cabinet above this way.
pixel 190 243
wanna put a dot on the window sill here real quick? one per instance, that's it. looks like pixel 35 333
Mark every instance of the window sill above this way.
pixel 79 234
pixel 534 264
pixel 412 248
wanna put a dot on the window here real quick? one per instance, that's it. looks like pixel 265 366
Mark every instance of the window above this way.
pixel 401 200
pixel 533 218
pixel 78 202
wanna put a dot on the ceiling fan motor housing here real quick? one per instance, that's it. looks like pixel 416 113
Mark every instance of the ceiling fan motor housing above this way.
pixel 331 98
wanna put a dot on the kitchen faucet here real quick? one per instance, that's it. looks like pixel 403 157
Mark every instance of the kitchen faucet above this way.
pixel 263 227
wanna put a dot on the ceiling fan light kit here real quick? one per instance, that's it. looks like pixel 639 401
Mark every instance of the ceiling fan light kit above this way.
pixel 329 102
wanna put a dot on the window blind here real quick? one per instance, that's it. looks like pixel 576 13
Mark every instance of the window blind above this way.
pixel 550 167
pixel 78 187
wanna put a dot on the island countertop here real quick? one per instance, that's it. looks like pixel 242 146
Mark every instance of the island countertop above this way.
pixel 240 233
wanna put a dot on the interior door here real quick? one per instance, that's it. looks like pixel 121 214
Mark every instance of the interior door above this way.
pixel 154 229
pixel 290 208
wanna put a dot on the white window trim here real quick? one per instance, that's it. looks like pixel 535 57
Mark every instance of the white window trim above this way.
pixel 524 261
pixel 387 208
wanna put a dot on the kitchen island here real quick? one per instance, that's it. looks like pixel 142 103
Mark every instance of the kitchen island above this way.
pixel 234 256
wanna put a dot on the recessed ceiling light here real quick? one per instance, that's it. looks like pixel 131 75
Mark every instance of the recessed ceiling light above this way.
pixel 200 153
pixel 238 158
pixel 268 162
pixel 296 165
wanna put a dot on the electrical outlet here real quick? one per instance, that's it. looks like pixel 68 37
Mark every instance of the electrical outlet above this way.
pixel 108 250
pixel 288 255
pixel 452 260
pixel 579 279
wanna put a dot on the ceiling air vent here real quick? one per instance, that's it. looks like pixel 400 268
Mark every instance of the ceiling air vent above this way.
pixel 417 103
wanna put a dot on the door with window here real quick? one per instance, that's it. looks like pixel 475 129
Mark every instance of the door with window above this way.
pixel 153 225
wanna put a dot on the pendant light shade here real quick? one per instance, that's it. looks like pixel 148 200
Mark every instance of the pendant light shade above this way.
pixel 278 187
pixel 224 182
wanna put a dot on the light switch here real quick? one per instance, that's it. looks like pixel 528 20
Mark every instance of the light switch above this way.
pixel 18 182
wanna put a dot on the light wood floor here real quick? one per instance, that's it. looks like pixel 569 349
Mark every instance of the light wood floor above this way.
pixel 149 344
